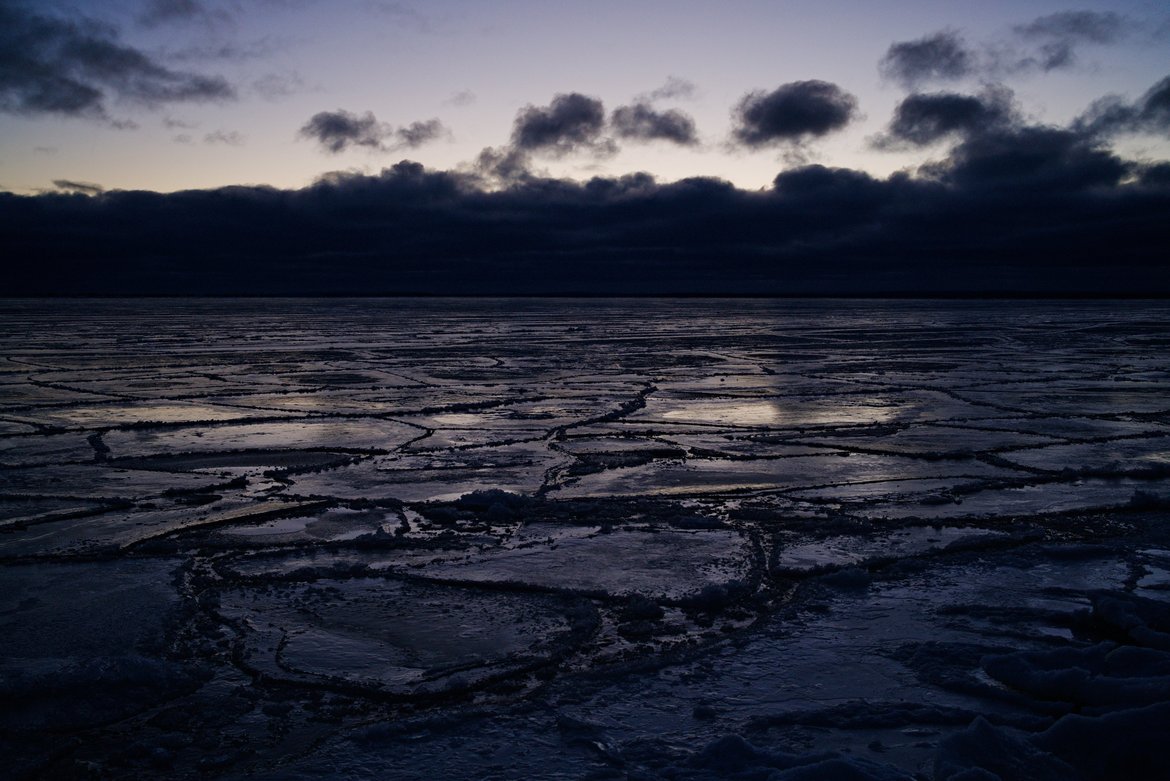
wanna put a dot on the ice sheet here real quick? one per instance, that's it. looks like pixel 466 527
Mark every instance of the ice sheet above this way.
pixel 645 539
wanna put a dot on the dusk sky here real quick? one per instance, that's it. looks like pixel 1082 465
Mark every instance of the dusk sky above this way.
pixel 174 95
pixel 474 65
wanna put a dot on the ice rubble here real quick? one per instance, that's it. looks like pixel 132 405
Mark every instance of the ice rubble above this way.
pixel 564 539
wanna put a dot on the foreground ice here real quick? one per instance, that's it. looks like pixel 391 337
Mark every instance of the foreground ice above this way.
pixel 584 539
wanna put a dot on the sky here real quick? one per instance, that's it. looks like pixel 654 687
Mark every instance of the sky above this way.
pixel 501 98
pixel 472 65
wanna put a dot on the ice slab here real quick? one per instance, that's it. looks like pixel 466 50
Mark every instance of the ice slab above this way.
pixel 97 481
pixel 120 529
pixel 742 445
pixel 706 476
pixel 335 524
pixel 1078 398
pixel 311 564
pixel 18 511
pixel 897 661
pixel 937 441
pixel 585 446
pixel 858 495
pixel 1073 427
pixel 1013 502
pixel 45 449
pixel 136 413
pixel 315 434
pixel 301 403
pixel 449 438
pixel 83 643
pixel 1150 455
pixel 850 550
pixel 249 463
pixel 395 637
pixel 29 395
pixel 9 427
pixel 788 412
pixel 668 564
pixel 445 476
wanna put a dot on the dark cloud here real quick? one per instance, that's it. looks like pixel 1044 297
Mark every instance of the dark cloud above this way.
pixel 159 12
pixel 1059 35
pixel 73 67
pixel 1155 111
pixel 572 121
pixel 1109 116
pixel 642 122
pixel 276 86
pixel 460 99
pixel 339 130
pixel 226 137
pixel 1112 115
pixel 403 15
pixel 792 113
pixel 83 188
pixel 675 88
pixel 1017 209
pixel 229 51
pixel 1046 43
pixel 1091 26
pixel 943 56
pixel 923 119
pixel 418 133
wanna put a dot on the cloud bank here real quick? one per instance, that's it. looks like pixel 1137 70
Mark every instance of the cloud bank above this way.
pixel 1012 208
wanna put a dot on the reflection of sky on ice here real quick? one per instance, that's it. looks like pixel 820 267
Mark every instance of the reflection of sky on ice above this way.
pixel 769 413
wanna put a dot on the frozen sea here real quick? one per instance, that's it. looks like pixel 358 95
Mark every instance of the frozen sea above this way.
pixel 604 539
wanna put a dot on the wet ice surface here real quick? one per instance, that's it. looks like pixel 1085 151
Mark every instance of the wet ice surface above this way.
pixel 568 539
